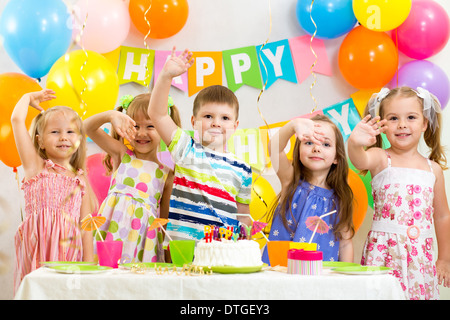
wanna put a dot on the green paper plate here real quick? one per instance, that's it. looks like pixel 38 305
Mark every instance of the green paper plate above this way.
pixel 338 264
pixel 147 265
pixel 231 269
pixel 364 270
pixel 66 263
pixel 78 269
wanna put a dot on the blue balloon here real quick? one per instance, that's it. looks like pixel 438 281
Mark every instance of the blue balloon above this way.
pixel 36 33
pixel 333 18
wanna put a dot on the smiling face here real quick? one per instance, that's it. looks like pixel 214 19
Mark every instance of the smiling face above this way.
pixel 147 139
pixel 319 158
pixel 60 138
pixel 405 122
pixel 216 122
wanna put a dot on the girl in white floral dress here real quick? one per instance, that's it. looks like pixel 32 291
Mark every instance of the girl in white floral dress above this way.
pixel 408 189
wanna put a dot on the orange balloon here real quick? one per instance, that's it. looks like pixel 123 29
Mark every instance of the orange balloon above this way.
pixel 12 87
pixel 360 199
pixel 166 17
pixel 368 59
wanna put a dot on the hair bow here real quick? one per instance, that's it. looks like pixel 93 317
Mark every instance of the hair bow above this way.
pixel 431 106
pixel 375 101
pixel 125 101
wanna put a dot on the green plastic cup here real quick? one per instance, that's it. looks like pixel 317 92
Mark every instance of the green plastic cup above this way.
pixel 182 251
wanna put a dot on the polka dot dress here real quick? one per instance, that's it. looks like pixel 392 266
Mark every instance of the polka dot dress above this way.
pixel 131 206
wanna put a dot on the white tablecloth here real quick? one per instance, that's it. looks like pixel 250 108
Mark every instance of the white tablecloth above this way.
pixel 265 285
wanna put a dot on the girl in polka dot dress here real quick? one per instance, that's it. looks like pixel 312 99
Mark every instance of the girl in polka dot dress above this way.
pixel 140 185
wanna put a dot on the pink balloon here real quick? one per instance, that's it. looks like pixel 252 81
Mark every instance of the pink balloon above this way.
pixel 107 24
pixel 97 176
pixel 426 30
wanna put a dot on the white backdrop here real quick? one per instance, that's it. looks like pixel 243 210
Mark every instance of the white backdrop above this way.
pixel 217 25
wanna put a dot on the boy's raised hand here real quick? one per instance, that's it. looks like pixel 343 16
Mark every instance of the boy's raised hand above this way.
pixel 366 131
pixel 177 65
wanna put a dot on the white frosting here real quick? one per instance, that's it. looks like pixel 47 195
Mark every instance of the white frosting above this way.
pixel 242 253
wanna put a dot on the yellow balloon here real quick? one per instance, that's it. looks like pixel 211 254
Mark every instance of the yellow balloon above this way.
pixel 383 15
pixel 262 197
pixel 97 92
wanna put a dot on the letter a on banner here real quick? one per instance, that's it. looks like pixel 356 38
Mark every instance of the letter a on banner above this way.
pixel 241 67
pixel 206 71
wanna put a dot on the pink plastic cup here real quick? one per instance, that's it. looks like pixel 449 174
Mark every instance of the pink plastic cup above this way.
pixel 109 253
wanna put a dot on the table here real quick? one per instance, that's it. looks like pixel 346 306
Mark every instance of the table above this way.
pixel 44 283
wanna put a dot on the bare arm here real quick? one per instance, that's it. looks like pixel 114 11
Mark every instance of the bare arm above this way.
pixel 123 125
pixel 157 108
pixel 442 227
pixel 31 161
pixel 305 129
pixel 362 136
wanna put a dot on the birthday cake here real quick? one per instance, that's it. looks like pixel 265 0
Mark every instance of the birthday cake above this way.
pixel 240 253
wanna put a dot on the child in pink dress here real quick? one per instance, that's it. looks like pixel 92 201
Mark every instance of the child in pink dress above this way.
pixel 54 186
pixel 408 189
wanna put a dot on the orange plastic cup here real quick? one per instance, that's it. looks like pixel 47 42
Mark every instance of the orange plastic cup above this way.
pixel 277 251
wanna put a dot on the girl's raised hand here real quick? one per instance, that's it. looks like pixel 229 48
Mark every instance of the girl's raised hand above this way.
pixel 177 65
pixel 308 130
pixel 124 125
pixel 36 98
pixel 366 131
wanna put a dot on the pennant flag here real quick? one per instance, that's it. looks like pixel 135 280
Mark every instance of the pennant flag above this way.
pixel 132 65
pixel 206 71
pixel 304 58
pixel 242 67
pixel 246 145
pixel 180 82
pixel 361 97
pixel 345 115
pixel 277 59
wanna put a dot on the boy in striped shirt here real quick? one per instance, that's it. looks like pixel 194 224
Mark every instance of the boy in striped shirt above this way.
pixel 210 184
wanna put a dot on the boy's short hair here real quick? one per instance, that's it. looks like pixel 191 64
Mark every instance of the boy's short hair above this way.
pixel 218 94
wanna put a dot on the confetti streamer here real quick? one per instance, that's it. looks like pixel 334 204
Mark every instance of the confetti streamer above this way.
pixel 315 55
pixel 146 45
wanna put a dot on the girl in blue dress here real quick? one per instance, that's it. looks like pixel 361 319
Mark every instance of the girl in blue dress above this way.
pixel 314 183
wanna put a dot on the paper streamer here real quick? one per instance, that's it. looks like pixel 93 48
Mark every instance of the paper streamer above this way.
pixel 315 55
pixel 146 45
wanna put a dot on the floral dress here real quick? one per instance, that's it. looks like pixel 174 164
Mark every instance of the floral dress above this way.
pixel 308 201
pixel 131 206
pixel 401 236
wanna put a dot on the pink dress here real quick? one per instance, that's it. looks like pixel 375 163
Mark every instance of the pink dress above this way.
pixel 401 236
pixel 50 229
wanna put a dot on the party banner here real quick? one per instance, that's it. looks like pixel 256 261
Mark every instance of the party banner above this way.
pixel 180 82
pixel 345 115
pixel 242 67
pixel 277 59
pixel 304 58
pixel 246 145
pixel 135 65
pixel 206 71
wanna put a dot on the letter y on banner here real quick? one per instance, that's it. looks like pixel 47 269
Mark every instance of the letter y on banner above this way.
pixel 345 115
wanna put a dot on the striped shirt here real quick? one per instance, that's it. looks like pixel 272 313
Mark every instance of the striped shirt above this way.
pixel 206 188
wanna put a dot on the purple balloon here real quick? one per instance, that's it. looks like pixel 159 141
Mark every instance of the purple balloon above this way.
pixel 425 74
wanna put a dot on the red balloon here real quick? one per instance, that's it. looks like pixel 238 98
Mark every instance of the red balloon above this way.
pixel 97 177
pixel 367 59
pixel 12 87
pixel 165 17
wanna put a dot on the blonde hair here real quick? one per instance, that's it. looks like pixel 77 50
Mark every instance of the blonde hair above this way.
pixel 138 106
pixel 78 159
pixel 337 179
pixel 431 137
